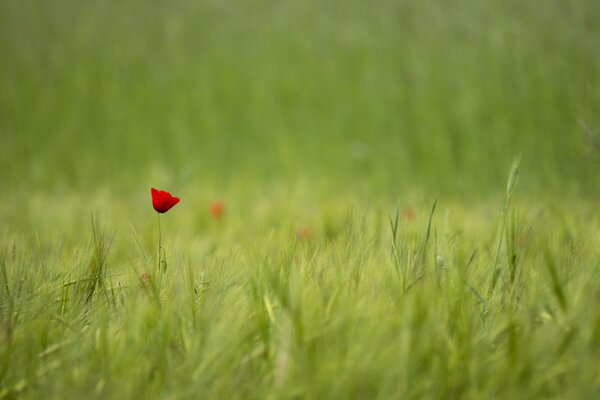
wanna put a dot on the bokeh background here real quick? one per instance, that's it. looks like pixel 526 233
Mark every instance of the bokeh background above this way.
pixel 375 98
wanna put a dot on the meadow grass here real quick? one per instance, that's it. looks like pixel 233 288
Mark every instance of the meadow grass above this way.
pixel 372 245
pixel 487 302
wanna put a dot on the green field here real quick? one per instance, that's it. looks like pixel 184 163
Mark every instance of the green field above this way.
pixel 410 193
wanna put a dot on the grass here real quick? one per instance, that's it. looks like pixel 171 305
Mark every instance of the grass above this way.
pixel 372 245
pixel 390 98
pixel 441 306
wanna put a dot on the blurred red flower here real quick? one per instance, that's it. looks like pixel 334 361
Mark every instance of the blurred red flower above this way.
pixel 163 201
pixel 304 234
pixel 145 277
pixel 217 209
pixel 408 213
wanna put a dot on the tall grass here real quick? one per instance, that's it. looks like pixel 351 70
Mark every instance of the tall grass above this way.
pixel 327 129
pixel 255 312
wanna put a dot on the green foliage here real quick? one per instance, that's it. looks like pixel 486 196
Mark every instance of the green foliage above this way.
pixel 384 96
pixel 327 129
pixel 254 313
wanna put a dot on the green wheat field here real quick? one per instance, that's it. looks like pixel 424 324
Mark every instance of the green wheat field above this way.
pixel 379 199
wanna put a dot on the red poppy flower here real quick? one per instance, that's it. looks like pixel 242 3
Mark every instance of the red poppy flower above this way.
pixel 304 234
pixel 217 209
pixel 163 201
pixel 145 277
pixel 408 213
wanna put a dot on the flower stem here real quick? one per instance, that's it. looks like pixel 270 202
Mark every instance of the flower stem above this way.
pixel 159 242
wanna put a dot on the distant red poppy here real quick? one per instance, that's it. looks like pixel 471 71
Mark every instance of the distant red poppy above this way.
pixel 408 213
pixel 304 234
pixel 145 277
pixel 163 201
pixel 217 209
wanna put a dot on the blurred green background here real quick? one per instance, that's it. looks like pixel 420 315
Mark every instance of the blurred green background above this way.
pixel 373 97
